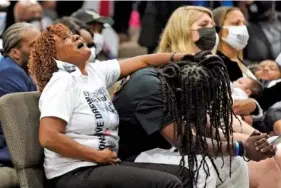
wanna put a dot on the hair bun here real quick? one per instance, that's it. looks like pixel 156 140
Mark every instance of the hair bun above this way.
pixel 171 71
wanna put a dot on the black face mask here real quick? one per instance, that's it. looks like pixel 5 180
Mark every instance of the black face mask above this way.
pixel 207 39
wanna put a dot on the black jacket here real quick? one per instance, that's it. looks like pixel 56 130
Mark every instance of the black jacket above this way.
pixel 233 69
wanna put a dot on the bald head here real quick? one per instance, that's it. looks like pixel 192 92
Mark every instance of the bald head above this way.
pixel 27 10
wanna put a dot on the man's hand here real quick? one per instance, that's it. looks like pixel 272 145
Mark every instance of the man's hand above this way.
pixel 258 148
pixel 244 107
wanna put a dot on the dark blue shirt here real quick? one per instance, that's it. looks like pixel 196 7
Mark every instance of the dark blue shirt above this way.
pixel 13 79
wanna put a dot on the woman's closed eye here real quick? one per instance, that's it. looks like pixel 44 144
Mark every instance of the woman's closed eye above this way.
pixel 273 68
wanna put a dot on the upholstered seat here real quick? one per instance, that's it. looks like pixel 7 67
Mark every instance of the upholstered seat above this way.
pixel 19 116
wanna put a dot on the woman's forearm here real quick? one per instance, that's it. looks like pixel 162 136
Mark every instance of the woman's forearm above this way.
pixel 128 66
pixel 240 137
pixel 241 131
pixel 213 149
pixel 161 58
pixel 65 146
pixel 240 126
pixel 236 136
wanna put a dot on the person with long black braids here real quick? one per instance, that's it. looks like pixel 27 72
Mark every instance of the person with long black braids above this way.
pixel 186 104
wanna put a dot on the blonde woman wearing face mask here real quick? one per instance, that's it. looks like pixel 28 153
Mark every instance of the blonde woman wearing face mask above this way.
pixel 190 33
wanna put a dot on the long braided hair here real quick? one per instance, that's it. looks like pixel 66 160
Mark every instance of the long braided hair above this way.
pixel 195 88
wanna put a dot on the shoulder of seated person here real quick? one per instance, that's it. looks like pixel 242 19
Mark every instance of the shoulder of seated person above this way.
pixel 144 80
pixel 146 75
pixel 147 79
pixel 149 71
pixel 59 82
pixel 12 70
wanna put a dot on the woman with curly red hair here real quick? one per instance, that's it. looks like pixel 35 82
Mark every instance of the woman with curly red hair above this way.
pixel 78 123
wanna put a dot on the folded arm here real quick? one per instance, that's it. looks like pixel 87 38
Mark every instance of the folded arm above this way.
pixel 52 137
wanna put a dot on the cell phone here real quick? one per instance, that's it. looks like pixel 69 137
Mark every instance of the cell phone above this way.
pixel 274 140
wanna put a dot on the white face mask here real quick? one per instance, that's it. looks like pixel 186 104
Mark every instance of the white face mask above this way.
pixel 238 36
pixel 99 42
pixel 92 57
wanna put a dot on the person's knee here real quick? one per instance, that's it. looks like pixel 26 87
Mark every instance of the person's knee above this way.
pixel 173 182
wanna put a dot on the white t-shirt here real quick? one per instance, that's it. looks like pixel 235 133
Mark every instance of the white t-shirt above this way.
pixel 239 169
pixel 84 103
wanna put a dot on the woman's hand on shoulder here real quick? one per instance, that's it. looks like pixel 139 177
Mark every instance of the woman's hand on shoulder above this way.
pixel 106 156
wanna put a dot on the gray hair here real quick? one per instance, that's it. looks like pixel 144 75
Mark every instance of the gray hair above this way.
pixel 12 36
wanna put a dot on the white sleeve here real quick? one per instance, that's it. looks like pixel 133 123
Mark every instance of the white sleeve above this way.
pixel 58 98
pixel 259 116
pixel 109 70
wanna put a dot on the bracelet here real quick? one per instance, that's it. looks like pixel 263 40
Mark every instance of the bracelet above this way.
pixel 242 151
pixel 172 56
pixel 236 149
